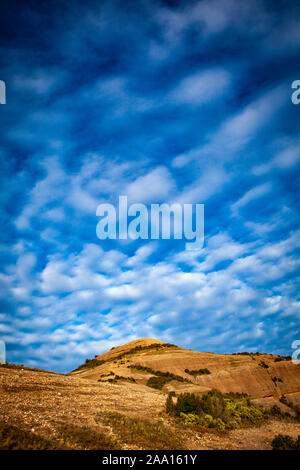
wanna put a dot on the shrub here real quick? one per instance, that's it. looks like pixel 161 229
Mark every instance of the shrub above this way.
pixel 276 379
pixel 158 382
pixel 127 379
pixel 291 405
pixel 245 414
pixel 187 403
pixel 159 373
pixel 191 419
pixel 245 353
pixel 197 372
pixel 284 400
pixel 206 420
pixel 285 442
pixel 216 409
pixel 276 412
pixel 237 395
pixel 263 365
pixel 118 377
pixel 106 375
pixel 282 358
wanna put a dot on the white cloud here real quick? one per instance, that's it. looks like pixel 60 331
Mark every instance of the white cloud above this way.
pixel 201 87
pixel 252 194
pixel 141 254
pixel 123 292
pixel 236 131
pixel 143 298
pixel 46 190
pixel 152 187
pixel 211 17
pixel 209 183
pixel 39 83
pixel 56 214
pixel 286 158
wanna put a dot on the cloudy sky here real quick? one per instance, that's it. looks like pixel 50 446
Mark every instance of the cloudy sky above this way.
pixel 162 101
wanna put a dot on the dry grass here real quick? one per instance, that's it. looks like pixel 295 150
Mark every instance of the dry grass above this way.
pixel 85 438
pixel 69 436
pixel 143 433
pixel 12 438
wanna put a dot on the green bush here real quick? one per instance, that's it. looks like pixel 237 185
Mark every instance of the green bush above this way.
pixel 158 382
pixel 217 410
pixel 191 419
pixel 116 378
pixel 206 420
pixel 127 379
pixel 169 375
pixel 187 403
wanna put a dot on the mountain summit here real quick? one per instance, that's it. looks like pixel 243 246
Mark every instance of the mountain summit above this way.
pixel 185 370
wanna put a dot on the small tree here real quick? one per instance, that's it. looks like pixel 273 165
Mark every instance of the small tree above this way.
pixel 187 403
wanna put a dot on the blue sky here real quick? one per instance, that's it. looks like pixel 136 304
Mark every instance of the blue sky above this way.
pixel 162 101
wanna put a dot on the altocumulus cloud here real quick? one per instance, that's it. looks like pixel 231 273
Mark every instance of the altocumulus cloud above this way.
pixel 163 102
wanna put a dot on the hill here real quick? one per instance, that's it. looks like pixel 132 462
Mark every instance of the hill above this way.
pixel 117 400
pixel 258 375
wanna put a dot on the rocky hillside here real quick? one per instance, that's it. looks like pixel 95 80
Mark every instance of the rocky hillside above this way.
pixel 258 375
